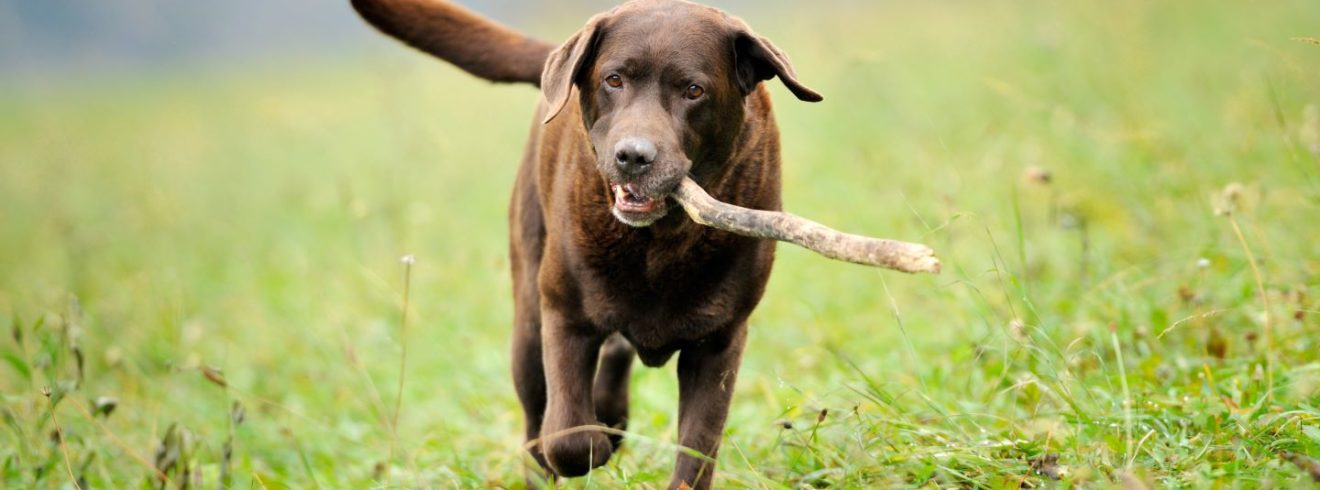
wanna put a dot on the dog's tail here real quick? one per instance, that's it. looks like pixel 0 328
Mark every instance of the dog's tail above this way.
pixel 478 45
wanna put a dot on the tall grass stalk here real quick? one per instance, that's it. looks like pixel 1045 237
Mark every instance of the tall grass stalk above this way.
pixel 119 442
pixel 1127 397
pixel 408 261
pixel 1268 325
pixel 60 436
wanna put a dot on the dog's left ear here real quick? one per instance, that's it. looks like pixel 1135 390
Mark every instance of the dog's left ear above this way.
pixel 564 66
pixel 757 59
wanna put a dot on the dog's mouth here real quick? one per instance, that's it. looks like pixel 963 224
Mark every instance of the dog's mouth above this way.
pixel 634 208
pixel 630 199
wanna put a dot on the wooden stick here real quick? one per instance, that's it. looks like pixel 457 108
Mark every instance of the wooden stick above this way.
pixel 786 227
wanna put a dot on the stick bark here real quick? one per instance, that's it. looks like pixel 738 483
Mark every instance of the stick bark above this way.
pixel 786 227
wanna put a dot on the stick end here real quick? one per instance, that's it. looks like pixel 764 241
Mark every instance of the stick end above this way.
pixel 929 264
pixel 918 258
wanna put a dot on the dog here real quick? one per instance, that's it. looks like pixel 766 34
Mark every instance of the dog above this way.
pixel 604 269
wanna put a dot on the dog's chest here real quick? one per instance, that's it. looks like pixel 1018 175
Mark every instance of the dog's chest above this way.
pixel 665 294
pixel 658 322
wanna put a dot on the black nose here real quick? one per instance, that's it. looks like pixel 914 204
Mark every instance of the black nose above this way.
pixel 633 155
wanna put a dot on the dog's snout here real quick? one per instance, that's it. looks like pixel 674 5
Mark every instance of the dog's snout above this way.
pixel 633 155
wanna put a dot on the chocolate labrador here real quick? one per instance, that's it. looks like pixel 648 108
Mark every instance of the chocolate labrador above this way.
pixel 603 269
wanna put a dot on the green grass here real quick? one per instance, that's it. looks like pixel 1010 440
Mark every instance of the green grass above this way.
pixel 162 233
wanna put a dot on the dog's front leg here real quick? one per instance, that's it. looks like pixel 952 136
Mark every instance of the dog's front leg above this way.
pixel 570 348
pixel 706 374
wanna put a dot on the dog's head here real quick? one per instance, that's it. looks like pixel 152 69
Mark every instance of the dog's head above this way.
pixel 662 84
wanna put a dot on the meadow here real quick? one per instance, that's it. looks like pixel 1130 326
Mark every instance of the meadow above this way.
pixel 200 274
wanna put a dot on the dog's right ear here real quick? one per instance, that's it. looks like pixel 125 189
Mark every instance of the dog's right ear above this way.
pixel 565 66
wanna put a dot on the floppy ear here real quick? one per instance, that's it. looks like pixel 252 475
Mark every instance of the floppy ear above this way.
pixel 565 65
pixel 756 59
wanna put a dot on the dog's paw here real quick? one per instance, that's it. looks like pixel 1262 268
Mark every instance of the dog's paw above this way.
pixel 575 454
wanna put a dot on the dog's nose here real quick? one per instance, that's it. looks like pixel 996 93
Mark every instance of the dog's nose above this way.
pixel 633 155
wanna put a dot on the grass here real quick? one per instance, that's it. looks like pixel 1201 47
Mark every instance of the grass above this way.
pixel 202 268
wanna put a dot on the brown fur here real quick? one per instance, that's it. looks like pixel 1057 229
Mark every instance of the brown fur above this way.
pixel 593 286
pixel 451 32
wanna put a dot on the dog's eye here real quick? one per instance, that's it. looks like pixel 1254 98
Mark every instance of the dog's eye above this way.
pixel 694 92
pixel 614 81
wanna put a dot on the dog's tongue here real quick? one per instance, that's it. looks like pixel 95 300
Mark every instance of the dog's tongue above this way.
pixel 628 197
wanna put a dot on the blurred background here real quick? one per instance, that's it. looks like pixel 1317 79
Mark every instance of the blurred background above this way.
pixel 44 40
pixel 203 206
